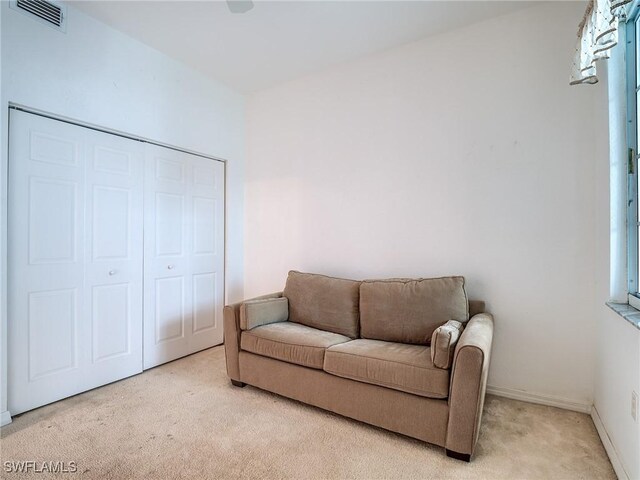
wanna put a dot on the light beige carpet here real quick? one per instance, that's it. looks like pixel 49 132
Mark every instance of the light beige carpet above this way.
pixel 185 420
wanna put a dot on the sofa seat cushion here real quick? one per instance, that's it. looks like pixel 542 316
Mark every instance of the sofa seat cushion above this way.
pixel 394 365
pixel 290 342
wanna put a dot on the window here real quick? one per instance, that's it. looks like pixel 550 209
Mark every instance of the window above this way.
pixel 633 100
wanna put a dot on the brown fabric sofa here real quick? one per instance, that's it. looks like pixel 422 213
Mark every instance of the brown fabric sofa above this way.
pixel 407 355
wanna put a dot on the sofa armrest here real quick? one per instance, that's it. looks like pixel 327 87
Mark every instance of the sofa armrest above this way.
pixel 468 386
pixel 255 313
pixel 443 343
pixel 232 335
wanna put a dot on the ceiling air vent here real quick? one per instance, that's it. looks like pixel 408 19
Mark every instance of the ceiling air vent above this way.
pixel 45 11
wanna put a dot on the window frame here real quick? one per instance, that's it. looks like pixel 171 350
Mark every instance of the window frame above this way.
pixel 632 32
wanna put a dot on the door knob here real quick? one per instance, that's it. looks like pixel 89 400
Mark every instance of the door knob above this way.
pixel 112 272
pixel 170 267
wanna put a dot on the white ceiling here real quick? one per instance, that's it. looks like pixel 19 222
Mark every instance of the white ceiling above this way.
pixel 279 41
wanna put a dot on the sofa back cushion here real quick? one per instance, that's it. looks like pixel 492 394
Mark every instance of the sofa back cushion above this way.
pixel 325 303
pixel 408 311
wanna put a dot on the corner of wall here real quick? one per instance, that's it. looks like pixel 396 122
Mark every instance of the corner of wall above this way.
pixel 608 445
pixel 4 135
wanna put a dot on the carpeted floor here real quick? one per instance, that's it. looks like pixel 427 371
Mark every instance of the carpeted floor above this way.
pixel 185 420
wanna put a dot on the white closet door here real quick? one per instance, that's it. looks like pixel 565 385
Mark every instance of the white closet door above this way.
pixel 184 254
pixel 114 259
pixel 75 208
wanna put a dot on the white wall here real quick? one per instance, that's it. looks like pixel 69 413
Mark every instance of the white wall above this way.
pixel 4 415
pixel 100 76
pixel 617 375
pixel 464 153
pixel 617 342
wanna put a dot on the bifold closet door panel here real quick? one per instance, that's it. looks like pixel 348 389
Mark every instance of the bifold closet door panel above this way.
pixel 184 254
pixel 207 254
pixel 75 215
pixel 114 183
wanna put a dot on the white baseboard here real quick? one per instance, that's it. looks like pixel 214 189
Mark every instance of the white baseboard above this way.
pixel 608 446
pixel 540 399
pixel 5 418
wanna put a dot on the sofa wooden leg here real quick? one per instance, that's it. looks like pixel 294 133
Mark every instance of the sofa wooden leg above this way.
pixel 465 457
pixel 236 383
